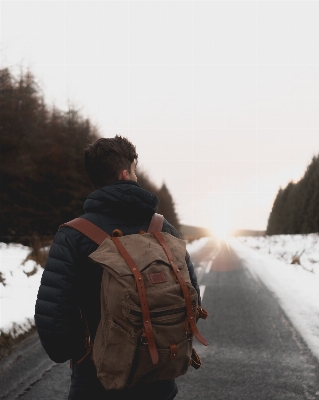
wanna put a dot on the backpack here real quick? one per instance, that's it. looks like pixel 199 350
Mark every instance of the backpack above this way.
pixel 149 307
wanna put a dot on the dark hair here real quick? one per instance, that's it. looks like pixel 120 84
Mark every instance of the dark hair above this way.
pixel 106 158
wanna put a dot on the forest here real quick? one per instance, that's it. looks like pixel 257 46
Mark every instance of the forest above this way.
pixel 43 180
pixel 296 207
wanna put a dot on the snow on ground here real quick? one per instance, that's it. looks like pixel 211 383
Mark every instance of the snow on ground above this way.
pixel 287 247
pixel 192 248
pixel 18 292
pixel 297 289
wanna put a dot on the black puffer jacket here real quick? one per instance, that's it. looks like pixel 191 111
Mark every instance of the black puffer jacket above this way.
pixel 70 282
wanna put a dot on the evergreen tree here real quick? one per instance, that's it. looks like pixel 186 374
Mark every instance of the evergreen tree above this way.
pixel 274 217
pixel 310 203
pixel 167 206
pixel 43 181
pixel 296 208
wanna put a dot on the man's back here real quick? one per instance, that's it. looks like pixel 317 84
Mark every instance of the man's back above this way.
pixel 71 282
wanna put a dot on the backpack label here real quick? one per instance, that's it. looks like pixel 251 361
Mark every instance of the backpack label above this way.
pixel 158 277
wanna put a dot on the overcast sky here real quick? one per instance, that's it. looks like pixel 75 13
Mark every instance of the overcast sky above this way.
pixel 221 98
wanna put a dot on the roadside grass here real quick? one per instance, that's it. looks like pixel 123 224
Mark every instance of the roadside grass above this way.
pixel 39 251
pixel 9 340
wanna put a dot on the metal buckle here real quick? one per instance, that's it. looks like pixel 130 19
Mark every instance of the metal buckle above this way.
pixel 144 340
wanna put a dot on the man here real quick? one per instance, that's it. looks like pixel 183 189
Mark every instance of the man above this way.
pixel 70 285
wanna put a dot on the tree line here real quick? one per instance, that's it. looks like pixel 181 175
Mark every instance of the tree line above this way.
pixel 43 180
pixel 296 207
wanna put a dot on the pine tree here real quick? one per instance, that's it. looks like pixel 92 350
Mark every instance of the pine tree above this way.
pixel 167 206
pixel 43 181
pixel 310 202
pixel 296 208
pixel 274 217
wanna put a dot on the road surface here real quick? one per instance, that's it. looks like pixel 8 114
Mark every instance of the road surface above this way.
pixel 254 351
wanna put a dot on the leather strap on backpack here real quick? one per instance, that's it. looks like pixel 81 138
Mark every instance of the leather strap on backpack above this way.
pixel 98 235
pixel 179 277
pixel 148 328
pixel 156 223
pixel 195 362
pixel 88 345
pixel 88 229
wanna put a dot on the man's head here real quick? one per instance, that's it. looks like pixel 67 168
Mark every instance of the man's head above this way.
pixel 110 159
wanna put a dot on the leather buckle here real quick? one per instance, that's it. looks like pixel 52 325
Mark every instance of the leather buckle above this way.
pixel 201 313
pixel 173 354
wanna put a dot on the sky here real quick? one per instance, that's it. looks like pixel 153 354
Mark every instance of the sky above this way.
pixel 221 98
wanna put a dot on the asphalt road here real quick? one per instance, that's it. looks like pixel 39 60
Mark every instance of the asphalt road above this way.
pixel 254 351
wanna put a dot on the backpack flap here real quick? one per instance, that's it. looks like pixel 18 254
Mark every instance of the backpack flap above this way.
pixel 144 250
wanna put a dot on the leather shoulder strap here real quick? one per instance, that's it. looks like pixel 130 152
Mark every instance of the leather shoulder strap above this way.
pixel 88 229
pixel 179 277
pixel 156 223
pixel 148 328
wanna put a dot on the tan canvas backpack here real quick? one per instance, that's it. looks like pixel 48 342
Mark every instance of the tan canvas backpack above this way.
pixel 149 307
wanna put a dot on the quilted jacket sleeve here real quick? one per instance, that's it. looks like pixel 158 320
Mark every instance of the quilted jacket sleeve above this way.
pixel 57 315
pixel 167 227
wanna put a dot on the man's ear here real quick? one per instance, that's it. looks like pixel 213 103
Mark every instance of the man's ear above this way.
pixel 124 176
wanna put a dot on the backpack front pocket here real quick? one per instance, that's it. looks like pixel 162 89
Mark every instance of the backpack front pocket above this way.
pixel 117 358
pixel 169 366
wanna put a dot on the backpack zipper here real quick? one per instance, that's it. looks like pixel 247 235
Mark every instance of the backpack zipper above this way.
pixel 157 314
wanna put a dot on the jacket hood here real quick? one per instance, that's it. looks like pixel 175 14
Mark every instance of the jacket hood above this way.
pixel 124 199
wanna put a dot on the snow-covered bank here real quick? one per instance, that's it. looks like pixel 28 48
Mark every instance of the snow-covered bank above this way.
pixel 297 289
pixel 18 288
pixel 288 247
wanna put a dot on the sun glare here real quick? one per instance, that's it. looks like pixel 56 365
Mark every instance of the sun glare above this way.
pixel 221 230
pixel 220 223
